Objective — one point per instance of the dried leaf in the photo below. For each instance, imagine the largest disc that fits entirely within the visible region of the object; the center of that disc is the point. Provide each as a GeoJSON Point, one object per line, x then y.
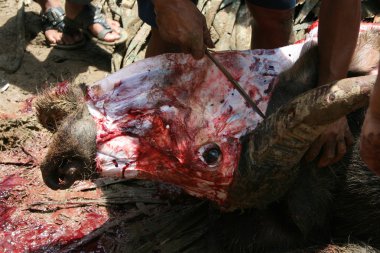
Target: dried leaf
{"type": "Point", "coordinates": [306, 9]}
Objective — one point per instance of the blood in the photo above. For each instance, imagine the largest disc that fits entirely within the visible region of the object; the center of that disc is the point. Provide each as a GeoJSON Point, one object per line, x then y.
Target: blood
{"type": "Point", "coordinates": [5, 116]}
{"type": "Point", "coordinates": [27, 106]}
{"type": "Point", "coordinates": [172, 116]}
{"type": "Point", "coordinates": [255, 65]}
{"type": "Point", "coordinates": [23, 231]}
{"type": "Point", "coordinates": [11, 181]}
{"type": "Point", "coordinates": [62, 87]}
{"type": "Point", "coordinates": [312, 26]}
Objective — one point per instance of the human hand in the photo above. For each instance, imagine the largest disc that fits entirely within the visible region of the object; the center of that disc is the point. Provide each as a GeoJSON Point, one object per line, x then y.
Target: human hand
{"type": "Point", "coordinates": [181, 23]}
{"type": "Point", "coordinates": [370, 142]}
{"type": "Point", "coordinates": [332, 144]}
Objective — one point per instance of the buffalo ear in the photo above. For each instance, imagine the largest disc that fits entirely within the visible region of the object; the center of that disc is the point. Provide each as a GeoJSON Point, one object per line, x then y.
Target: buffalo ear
{"type": "Point", "coordinates": [53, 105]}
{"type": "Point", "coordinates": [299, 78]}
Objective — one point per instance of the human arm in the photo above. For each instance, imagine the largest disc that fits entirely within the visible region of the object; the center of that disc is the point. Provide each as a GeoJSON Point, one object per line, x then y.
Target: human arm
{"type": "Point", "coordinates": [339, 23]}
{"type": "Point", "coordinates": [181, 23]}
{"type": "Point", "coordinates": [370, 135]}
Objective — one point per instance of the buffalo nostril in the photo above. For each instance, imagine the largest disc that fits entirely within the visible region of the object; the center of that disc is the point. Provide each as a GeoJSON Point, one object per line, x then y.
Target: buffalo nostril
{"type": "Point", "coordinates": [69, 173]}
{"type": "Point", "coordinates": [51, 181]}
{"type": "Point", "coordinates": [64, 176]}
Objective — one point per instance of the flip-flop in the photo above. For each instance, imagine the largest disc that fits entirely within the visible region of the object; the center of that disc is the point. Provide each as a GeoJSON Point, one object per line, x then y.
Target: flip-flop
{"type": "Point", "coordinates": [53, 19]}
{"type": "Point", "coordinates": [92, 15]}
{"type": "Point", "coordinates": [100, 38]}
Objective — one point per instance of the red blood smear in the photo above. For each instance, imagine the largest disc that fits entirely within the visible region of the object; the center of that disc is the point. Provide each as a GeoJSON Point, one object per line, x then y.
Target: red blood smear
{"type": "Point", "coordinates": [23, 231]}
{"type": "Point", "coordinates": [312, 26]}
{"type": "Point", "coordinates": [27, 105]}
{"type": "Point", "coordinates": [167, 151]}
{"type": "Point", "coordinates": [6, 116]}
{"type": "Point", "coordinates": [62, 87]}
{"type": "Point", "coordinates": [11, 181]}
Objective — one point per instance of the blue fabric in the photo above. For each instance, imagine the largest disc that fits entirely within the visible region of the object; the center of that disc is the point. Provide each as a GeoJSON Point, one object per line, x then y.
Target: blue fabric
{"type": "Point", "coordinates": [146, 11]}
{"type": "Point", "coordinates": [146, 8]}
{"type": "Point", "coordinates": [274, 4]}
{"type": "Point", "coordinates": [82, 2]}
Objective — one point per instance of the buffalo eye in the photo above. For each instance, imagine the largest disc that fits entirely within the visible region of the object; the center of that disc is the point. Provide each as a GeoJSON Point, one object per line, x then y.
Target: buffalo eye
{"type": "Point", "coordinates": [210, 154]}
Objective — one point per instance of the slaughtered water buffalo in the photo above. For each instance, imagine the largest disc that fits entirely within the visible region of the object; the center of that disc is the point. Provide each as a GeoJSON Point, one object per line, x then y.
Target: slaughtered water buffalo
{"type": "Point", "coordinates": [177, 120]}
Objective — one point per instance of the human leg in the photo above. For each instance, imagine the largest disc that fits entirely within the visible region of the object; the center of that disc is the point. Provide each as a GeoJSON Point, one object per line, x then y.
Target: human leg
{"type": "Point", "coordinates": [81, 13]}
{"type": "Point", "coordinates": [53, 25]}
{"type": "Point", "coordinates": [157, 43]}
{"type": "Point", "coordinates": [272, 23]}
{"type": "Point", "coordinates": [339, 23]}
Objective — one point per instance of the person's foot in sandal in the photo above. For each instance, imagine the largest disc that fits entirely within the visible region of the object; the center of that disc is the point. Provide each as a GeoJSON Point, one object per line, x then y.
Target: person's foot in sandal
{"type": "Point", "coordinates": [53, 26]}
{"type": "Point", "coordinates": [90, 19]}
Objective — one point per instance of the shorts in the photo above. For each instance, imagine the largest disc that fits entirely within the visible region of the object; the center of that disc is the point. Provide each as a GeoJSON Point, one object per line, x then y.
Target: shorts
{"type": "Point", "coordinates": [274, 4]}
{"type": "Point", "coordinates": [81, 2]}
{"type": "Point", "coordinates": [146, 9]}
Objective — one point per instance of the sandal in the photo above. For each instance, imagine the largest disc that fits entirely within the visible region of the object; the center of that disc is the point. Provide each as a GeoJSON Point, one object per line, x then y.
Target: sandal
{"type": "Point", "coordinates": [92, 15]}
{"type": "Point", "coordinates": [53, 19]}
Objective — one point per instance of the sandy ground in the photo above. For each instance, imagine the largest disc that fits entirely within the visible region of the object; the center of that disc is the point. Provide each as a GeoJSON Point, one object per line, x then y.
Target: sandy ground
{"type": "Point", "coordinates": [23, 142]}
{"type": "Point", "coordinates": [90, 216]}
{"type": "Point", "coordinates": [66, 221]}
{"type": "Point", "coordinates": [42, 65]}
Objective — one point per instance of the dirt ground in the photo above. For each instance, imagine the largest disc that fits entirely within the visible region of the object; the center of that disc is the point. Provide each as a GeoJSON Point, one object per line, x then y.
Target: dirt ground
{"type": "Point", "coordinates": [23, 142]}
{"type": "Point", "coordinates": [41, 65]}
{"type": "Point", "coordinates": [90, 216]}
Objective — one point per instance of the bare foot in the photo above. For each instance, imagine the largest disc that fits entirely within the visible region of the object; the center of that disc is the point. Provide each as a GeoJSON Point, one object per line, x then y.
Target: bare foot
{"type": "Point", "coordinates": [73, 10]}
{"type": "Point", "coordinates": [53, 33]}
{"type": "Point", "coordinates": [110, 37]}
{"type": "Point", "coordinates": [53, 36]}
{"type": "Point", "coordinates": [56, 37]}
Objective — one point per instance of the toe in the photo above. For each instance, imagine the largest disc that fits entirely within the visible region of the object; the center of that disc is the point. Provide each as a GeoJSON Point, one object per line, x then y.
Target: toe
{"type": "Point", "coordinates": [110, 37]}
{"type": "Point", "coordinates": [59, 40]}
{"type": "Point", "coordinates": [53, 36]}
{"type": "Point", "coordinates": [115, 26]}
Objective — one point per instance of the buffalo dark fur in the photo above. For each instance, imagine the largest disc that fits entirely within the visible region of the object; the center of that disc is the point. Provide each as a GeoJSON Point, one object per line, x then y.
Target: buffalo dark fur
{"type": "Point", "coordinates": [332, 209]}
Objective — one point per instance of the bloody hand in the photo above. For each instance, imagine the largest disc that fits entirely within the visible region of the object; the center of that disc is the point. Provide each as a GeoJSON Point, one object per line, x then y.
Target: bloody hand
{"type": "Point", "coordinates": [332, 144]}
{"type": "Point", "coordinates": [181, 23]}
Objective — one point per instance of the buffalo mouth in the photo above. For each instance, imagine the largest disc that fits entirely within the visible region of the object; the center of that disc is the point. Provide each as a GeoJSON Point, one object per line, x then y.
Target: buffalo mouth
{"type": "Point", "coordinates": [63, 176]}
{"type": "Point", "coordinates": [71, 154]}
